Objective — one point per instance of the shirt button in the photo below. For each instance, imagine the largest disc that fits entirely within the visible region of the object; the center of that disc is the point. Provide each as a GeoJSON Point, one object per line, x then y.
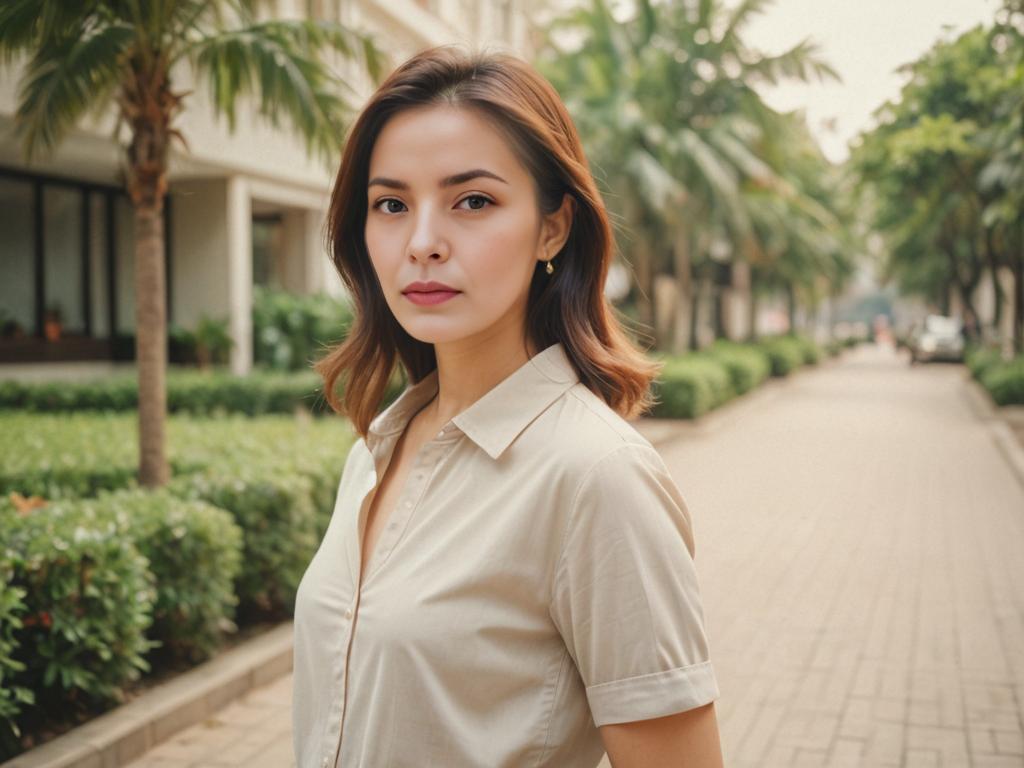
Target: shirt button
{"type": "Point", "coordinates": [348, 614]}
{"type": "Point", "coordinates": [325, 762]}
{"type": "Point", "coordinates": [408, 504]}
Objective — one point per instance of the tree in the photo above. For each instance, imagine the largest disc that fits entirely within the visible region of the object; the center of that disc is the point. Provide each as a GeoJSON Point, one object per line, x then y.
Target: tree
{"type": "Point", "coordinates": [926, 160]}
{"type": "Point", "coordinates": [83, 56]}
{"type": "Point", "coordinates": [666, 106]}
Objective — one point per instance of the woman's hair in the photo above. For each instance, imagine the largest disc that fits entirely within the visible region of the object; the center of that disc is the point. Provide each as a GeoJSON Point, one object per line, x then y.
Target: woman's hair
{"type": "Point", "coordinates": [568, 307]}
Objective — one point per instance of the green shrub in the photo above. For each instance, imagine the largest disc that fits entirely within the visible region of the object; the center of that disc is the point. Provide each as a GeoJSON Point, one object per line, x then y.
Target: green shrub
{"type": "Point", "coordinates": [12, 610]}
{"type": "Point", "coordinates": [979, 360]}
{"type": "Point", "coordinates": [1005, 381]}
{"type": "Point", "coordinates": [290, 332]}
{"type": "Point", "coordinates": [194, 551]}
{"type": "Point", "coordinates": [89, 596]}
{"type": "Point", "coordinates": [80, 455]}
{"type": "Point", "coordinates": [747, 365]}
{"type": "Point", "coordinates": [275, 513]}
{"type": "Point", "coordinates": [810, 351]}
{"type": "Point", "coordinates": [785, 353]}
{"type": "Point", "coordinates": [690, 386]}
{"type": "Point", "coordinates": [188, 391]}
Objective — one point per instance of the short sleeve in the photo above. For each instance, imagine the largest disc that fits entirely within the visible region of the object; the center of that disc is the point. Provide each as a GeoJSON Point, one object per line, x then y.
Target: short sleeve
{"type": "Point", "coordinates": [625, 596]}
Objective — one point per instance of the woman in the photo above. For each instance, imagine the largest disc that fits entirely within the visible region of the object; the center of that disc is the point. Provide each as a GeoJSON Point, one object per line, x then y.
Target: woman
{"type": "Point", "coordinates": [507, 579]}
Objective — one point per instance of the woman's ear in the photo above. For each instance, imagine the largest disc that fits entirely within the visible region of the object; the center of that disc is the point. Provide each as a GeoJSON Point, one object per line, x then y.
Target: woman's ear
{"type": "Point", "coordinates": [557, 227]}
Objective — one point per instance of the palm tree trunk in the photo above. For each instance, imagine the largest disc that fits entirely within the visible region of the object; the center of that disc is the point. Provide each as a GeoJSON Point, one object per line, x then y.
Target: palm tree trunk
{"type": "Point", "coordinates": [149, 104]}
{"type": "Point", "coordinates": [1018, 295]}
{"type": "Point", "coordinates": [791, 306]}
{"type": "Point", "coordinates": [684, 289]}
{"type": "Point", "coordinates": [151, 344]}
{"type": "Point", "coordinates": [695, 311]}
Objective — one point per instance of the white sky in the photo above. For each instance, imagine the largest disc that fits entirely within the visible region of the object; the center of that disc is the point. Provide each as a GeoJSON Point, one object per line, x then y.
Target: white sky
{"type": "Point", "coordinates": [864, 41]}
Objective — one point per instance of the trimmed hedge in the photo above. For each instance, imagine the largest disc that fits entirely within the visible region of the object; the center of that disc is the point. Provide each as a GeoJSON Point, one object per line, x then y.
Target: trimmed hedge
{"type": "Point", "coordinates": [1005, 382]}
{"type": "Point", "coordinates": [748, 365]}
{"type": "Point", "coordinates": [194, 551]}
{"type": "Point", "coordinates": [89, 596]}
{"type": "Point", "coordinates": [786, 354]}
{"type": "Point", "coordinates": [13, 696]}
{"type": "Point", "coordinates": [690, 386]}
{"type": "Point", "coordinates": [80, 455]}
{"type": "Point", "coordinates": [93, 586]}
{"type": "Point", "coordinates": [189, 391]}
{"type": "Point", "coordinates": [275, 513]}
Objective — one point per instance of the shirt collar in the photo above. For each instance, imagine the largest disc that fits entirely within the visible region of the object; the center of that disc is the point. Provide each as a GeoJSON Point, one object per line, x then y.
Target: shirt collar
{"type": "Point", "coordinates": [497, 418]}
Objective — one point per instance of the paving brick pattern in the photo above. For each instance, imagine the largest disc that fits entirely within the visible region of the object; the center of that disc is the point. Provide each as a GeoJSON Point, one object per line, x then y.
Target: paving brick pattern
{"type": "Point", "coordinates": [860, 547]}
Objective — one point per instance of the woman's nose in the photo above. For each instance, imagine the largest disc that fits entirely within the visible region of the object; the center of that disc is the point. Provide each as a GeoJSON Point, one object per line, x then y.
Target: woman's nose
{"type": "Point", "coordinates": [427, 240]}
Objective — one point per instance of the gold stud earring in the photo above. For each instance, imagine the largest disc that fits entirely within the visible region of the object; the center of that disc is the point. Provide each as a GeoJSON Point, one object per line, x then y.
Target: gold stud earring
{"type": "Point", "coordinates": [550, 268]}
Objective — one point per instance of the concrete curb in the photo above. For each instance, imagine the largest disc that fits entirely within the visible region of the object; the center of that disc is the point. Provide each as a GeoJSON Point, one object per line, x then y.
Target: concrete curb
{"type": "Point", "coordinates": [997, 419]}
{"type": "Point", "coordinates": [126, 733]}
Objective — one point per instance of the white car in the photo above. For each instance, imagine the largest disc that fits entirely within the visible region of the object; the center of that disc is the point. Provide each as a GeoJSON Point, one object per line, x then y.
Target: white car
{"type": "Point", "coordinates": [937, 338]}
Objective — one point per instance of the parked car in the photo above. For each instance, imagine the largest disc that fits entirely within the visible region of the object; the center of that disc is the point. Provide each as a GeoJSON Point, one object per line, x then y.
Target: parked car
{"type": "Point", "coordinates": [937, 337]}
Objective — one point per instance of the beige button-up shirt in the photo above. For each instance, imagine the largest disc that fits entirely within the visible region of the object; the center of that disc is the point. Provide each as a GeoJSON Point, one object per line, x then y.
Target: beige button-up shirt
{"type": "Point", "coordinates": [535, 581]}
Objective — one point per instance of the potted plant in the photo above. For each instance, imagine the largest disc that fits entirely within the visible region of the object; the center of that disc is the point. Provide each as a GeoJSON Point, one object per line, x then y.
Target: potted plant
{"type": "Point", "coordinates": [52, 321]}
{"type": "Point", "coordinates": [213, 341]}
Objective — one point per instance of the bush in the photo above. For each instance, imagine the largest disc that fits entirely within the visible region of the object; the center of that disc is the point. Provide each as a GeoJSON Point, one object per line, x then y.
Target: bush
{"type": "Point", "coordinates": [290, 332]}
{"type": "Point", "coordinates": [275, 513]}
{"type": "Point", "coordinates": [747, 365]}
{"type": "Point", "coordinates": [1005, 381]}
{"type": "Point", "coordinates": [89, 597]}
{"type": "Point", "coordinates": [785, 353]}
{"type": "Point", "coordinates": [979, 360]}
{"type": "Point", "coordinates": [81, 455]}
{"type": "Point", "coordinates": [690, 386]}
{"type": "Point", "coordinates": [12, 609]}
{"type": "Point", "coordinates": [71, 456]}
{"type": "Point", "coordinates": [809, 349]}
{"type": "Point", "coordinates": [194, 551]}
{"type": "Point", "coordinates": [188, 391]}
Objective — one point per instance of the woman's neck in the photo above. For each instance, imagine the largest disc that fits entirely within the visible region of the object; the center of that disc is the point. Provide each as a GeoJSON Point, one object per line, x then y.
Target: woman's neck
{"type": "Point", "coordinates": [468, 372]}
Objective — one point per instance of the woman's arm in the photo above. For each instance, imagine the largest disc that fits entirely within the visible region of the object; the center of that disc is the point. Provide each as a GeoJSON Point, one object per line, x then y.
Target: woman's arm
{"type": "Point", "coordinates": [684, 740]}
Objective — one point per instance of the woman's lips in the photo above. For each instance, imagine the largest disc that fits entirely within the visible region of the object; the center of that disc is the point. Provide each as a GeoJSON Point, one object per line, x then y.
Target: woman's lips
{"type": "Point", "coordinates": [430, 297]}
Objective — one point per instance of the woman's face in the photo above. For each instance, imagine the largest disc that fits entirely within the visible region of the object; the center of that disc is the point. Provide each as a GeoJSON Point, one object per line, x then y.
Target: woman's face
{"type": "Point", "coordinates": [449, 202]}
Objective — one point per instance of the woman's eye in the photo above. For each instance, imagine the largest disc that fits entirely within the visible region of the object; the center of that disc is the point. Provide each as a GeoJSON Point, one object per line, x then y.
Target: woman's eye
{"type": "Point", "coordinates": [387, 202]}
{"type": "Point", "coordinates": [478, 198]}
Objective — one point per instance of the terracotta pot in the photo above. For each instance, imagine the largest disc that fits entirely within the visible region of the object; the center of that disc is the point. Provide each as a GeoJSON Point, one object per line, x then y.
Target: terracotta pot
{"type": "Point", "coordinates": [51, 329]}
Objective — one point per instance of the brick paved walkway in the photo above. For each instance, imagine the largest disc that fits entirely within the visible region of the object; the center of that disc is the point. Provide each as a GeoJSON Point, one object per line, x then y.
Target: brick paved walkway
{"type": "Point", "coordinates": [860, 545]}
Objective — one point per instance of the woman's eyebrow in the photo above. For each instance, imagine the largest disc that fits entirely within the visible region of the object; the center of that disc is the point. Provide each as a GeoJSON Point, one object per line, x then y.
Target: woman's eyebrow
{"type": "Point", "coordinates": [450, 181]}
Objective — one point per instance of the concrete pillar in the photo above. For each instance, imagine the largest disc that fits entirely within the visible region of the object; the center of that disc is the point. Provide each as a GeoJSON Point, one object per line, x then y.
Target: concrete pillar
{"type": "Point", "coordinates": [239, 257]}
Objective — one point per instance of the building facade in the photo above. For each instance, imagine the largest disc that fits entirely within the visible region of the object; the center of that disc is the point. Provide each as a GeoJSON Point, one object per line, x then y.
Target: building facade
{"type": "Point", "coordinates": [244, 208]}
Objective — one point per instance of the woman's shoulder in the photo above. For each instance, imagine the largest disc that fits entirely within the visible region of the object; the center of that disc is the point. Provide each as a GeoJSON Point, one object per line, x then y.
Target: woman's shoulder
{"type": "Point", "coordinates": [585, 431]}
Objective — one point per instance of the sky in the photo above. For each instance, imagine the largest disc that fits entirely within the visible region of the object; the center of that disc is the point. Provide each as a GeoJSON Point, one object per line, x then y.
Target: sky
{"type": "Point", "coordinates": [864, 41]}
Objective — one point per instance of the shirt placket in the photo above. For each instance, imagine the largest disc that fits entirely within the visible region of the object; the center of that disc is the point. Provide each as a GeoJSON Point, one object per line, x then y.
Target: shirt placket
{"type": "Point", "coordinates": [426, 460]}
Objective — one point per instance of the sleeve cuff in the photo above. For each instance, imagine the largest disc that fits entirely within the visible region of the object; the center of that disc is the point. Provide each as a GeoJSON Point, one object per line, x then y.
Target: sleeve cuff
{"type": "Point", "coordinates": [655, 695]}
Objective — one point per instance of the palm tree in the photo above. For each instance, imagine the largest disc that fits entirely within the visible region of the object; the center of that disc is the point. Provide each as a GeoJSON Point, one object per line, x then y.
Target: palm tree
{"type": "Point", "coordinates": [82, 56]}
{"type": "Point", "coordinates": [666, 105]}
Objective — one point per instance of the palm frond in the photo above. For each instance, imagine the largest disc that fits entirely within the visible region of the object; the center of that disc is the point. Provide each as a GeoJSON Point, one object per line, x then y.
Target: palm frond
{"type": "Point", "coordinates": [61, 82]}
{"type": "Point", "coordinates": [26, 25]}
{"type": "Point", "coordinates": [280, 62]}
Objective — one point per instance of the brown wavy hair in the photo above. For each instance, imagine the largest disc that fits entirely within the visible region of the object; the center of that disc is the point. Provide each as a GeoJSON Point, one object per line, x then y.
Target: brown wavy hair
{"type": "Point", "coordinates": [568, 307]}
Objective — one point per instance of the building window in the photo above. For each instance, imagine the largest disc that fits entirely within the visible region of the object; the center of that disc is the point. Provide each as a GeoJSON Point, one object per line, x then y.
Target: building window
{"type": "Point", "coordinates": [67, 246]}
{"type": "Point", "coordinates": [17, 259]}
